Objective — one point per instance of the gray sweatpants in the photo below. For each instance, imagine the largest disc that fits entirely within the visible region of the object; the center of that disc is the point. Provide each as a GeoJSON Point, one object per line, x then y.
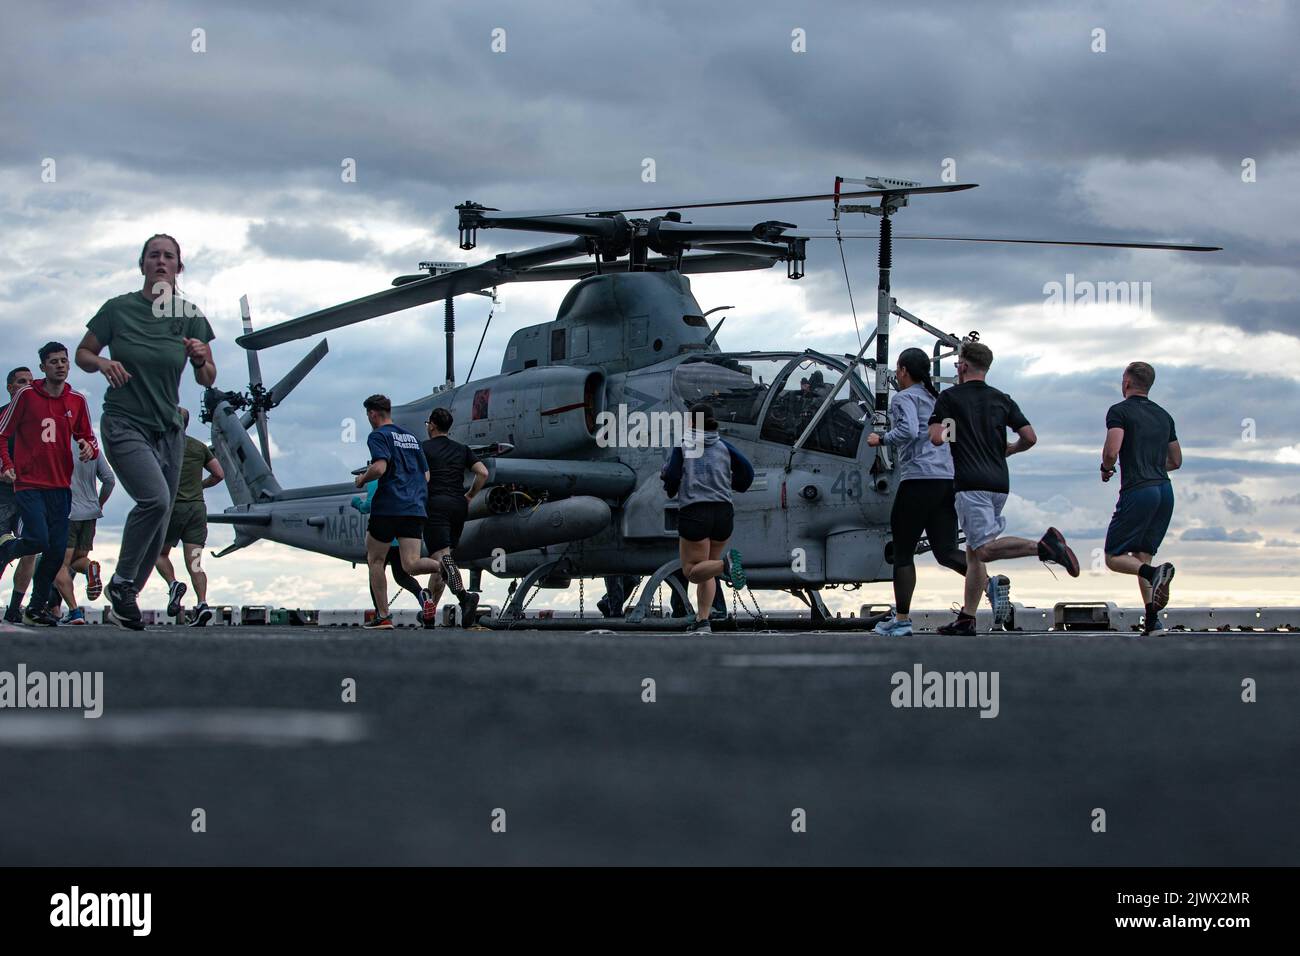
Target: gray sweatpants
{"type": "Point", "coordinates": [148, 466]}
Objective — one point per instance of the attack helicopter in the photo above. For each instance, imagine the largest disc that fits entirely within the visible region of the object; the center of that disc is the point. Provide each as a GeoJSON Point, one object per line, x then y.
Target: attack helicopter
{"type": "Point", "coordinates": [563, 500]}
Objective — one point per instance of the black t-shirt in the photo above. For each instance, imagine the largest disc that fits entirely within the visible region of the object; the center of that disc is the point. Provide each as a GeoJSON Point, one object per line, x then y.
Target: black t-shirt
{"type": "Point", "coordinates": [1148, 430]}
{"type": "Point", "coordinates": [448, 462]}
{"type": "Point", "coordinates": [981, 416]}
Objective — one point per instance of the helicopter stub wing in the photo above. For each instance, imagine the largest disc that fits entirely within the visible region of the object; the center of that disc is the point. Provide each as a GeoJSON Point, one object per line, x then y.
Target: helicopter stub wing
{"type": "Point", "coordinates": [498, 271]}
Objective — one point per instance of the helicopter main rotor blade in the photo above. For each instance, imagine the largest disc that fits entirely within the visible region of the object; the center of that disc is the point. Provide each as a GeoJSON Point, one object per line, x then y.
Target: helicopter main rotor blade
{"type": "Point", "coordinates": [1167, 246]}
{"type": "Point", "coordinates": [506, 267]}
{"type": "Point", "coordinates": [709, 204]}
{"type": "Point", "coordinates": [691, 265]}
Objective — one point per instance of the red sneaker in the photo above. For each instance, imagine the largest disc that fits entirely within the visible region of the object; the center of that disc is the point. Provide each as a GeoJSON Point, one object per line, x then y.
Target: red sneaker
{"type": "Point", "coordinates": [94, 584]}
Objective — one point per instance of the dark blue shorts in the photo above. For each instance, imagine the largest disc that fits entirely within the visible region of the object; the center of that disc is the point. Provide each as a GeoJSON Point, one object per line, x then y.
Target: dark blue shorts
{"type": "Point", "coordinates": [1141, 519]}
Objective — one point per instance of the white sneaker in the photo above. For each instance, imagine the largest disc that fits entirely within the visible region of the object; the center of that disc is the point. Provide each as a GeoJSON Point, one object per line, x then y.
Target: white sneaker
{"type": "Point", "coordinates": [893, 627]}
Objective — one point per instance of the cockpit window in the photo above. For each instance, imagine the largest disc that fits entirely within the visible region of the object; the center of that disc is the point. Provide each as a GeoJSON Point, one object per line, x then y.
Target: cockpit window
{"type": "Point", "coordinates": [736, 388]}
{"type": "Point", "coordinates": [794, 406]}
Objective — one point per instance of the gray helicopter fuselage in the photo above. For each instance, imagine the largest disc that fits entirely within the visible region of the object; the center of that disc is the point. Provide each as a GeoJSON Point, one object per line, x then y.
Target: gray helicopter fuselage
{"type": "Point", "coordinates": [588, 403]}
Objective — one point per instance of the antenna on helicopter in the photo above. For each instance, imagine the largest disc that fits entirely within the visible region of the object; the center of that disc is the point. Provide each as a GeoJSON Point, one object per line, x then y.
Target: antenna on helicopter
{"type": "Point", "coordinates": [713, 333]}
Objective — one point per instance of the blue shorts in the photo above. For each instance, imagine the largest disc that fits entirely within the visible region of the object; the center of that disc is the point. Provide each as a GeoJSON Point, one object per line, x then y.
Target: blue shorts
{"type": "Point", "coordinates": [1141, 519]}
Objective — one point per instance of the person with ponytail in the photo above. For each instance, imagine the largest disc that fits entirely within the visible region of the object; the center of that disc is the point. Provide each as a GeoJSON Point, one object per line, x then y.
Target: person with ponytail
{"type": "Point", "coordinates": [150, 335]}
{"type": "Point", "coordinates": [924, 497]}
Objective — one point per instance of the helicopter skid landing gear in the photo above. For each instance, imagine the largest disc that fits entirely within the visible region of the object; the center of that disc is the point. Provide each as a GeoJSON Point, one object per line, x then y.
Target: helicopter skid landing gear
{"type": "Point", "coordinates": [514, 609]}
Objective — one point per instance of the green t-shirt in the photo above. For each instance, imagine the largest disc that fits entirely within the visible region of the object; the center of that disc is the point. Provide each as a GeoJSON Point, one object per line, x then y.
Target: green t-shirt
{"type": "Point", "coordinates": [196, 456]}
{"type": "Point", "coordinates": [152, 350]}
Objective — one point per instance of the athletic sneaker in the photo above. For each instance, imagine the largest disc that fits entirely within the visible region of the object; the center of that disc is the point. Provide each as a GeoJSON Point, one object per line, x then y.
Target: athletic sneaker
{"type": "Point", "coordinates": [40, 617]}
{"type": "Point", "coordinates": [964, 626]}
{"type": "Point", "coordinates": [428, 608]}
{"type": "Point", "coordinates": [1160, 580]}
{"type": "Point", "coordinates": [701, 627]}
{"type": "Point", "coordinates": [733, 572]}
{"type": "Point", "coordinates": [469, 609]}
{"type": "Point", "coordinates": [94, 584]}
{"type": "Point", "coordinates": [998, 591]}
{"type": "Point", "coordinates": [201, 616]}
{"type": "Point", "coordinates": [1052, 547]}
{"type": "Point", "coordinates": [175, 591]}
{"type": "Point", "coordinates": [13, 615]}
{"type": "Point", "coordinates": [893, 627]}
{"type": "Point", "coordinates": [378, 623]}
{"type": "Point", "coordinates": [75, 616]}
{"type": "Point", "coordinates": [125, 613]}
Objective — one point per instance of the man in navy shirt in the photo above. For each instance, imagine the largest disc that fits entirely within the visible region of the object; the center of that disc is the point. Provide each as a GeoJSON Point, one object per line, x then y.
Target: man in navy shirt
{"type": "Point", "coordinates": [1140, 435]}
{"type": "Point", "coordinates": [397, 509]}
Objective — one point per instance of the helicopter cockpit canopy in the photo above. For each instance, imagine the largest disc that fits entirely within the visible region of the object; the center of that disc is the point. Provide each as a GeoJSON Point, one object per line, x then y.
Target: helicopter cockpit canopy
{"type": "Point", "coordinates": [779, 394]}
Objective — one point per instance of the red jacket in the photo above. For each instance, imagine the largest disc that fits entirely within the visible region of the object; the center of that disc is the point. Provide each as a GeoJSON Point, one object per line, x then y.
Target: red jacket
{"type": "Point", "coordinates": [43, 428]}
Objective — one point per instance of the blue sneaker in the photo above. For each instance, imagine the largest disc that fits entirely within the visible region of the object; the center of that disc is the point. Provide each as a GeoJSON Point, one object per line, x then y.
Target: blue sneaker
{"type": "Point", "coordinates": [998, 591]}
{"type": "Point", "coordinates": [893, 627]}
{"type": "Point", "coordinates": [75, 616]}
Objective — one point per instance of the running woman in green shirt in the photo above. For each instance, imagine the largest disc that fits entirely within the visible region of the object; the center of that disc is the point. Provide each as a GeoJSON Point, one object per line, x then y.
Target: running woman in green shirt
{"type": "Point", "coordinates": [150, 335]}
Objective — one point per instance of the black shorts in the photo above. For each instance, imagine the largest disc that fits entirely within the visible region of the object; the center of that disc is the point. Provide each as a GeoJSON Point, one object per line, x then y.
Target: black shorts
{"type": "Point", "coordinates": [923, 504]}
{"type": "Point", "coordinates": [446, 521]}
{"type": "Point", "coordinates": [1141, 519]}
{"type": "Point", "coordinates": [387, 527]}
{"type": "Point", "coordinates": [714, 520]}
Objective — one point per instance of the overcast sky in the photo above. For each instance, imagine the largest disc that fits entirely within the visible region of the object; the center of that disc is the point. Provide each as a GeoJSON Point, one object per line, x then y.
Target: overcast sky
{"type": "Point", "coordinates": [1185, 127]}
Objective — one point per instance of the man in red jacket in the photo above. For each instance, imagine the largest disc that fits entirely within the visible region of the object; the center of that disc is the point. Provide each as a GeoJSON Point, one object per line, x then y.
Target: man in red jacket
{"type": "Point", "coordinates": [43, 420]}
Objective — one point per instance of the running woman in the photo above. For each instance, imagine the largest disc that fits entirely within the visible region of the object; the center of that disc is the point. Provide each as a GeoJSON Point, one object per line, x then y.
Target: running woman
{"type": "Point", "coordinates": [398, 508]}
{"type": "Point", "coordinates": [150, 335]}
{"type": "Point", "coordinates": [973, 417]}
{"type": "Point", "coordinates": [1140, 435]}
{"type": "Point", "coordinates": [924, 498]}
{"type": "Point", "coordinates": [44, 419]}
{"type": "Point", "coordinates": [448, 507]}
{"type": "Point", "coordinates": [702, 474]}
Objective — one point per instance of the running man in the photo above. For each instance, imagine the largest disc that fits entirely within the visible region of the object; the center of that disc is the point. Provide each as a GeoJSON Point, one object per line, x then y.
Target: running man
{"type": "Point", "coordinates": [703, 482]}
{"type": "Point", "coordinates": [44, 418]}
{"type": "Point", "coordinates": [189, 526]}
{"type": "Point", "coordinates": [398, 508]}
{"type": "Point", "coordinates": [973, 417]}
{"type": "Point", "coordinates": [87, 509]}
{"type": "Point", "coordinates": [394, 559]}
{"type": "Point", "coordinates": [1141, 436]}
{"type": "Point", "coordinates": [17, 379]}
{"type": "Point", "coordinates": [448, 507]}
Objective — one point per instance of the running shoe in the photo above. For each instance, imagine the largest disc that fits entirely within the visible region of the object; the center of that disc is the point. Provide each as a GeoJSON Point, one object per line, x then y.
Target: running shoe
{"type": "Point", "coordinates": [39, 617]}
{"type": "Point", "coordinates": [964, 626]}
{"type": "Point", "coordinates": [1160, 580]}
{"type": "Point", "coordinates": [428, 608]}
{"type": "Point", "coordinates": [94, 584]}
{"type": "Point", "coordinates": [175, 591]}
{"type": "Point", "coordinates": [378, 623]}
{"type": "Point", "coordinates": [701, 627]}
{"type": "Point", "coordinates": [732, 569]}
{"type": "Point", "coordinates": [13, 616]}
{"type": "Point", "coordinates": [469, 609]}
{"type": "Point", "coordinates": [1052, 547]}
{"type": "Point", "coordinates": [75, 616]}
{"type": "Point", "coordinates": [893, 627]}
{"type": "Point", "coordinates": [201, 616]}
{"type": "Point", "coordinates": [125, 612]}
{"type": "Point", "coordinates": [998, 591]}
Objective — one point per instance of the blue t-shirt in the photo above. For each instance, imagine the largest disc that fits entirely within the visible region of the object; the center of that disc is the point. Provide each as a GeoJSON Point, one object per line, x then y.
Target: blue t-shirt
{"type": "Point", "coordinates": [401, 488]}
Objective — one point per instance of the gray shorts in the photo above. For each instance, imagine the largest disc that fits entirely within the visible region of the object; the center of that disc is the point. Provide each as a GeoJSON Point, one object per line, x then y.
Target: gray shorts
{"type": "Point", "coordinates": [980, 516]}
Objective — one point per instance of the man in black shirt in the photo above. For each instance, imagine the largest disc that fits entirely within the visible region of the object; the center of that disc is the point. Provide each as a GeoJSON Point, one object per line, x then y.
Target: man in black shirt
{"type": "Point", "coordinates": [1141, 436]}
{"type": "Point", "coordinates": [973, 417]}
{"type": "Point", "coordinates": [448, 507]}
